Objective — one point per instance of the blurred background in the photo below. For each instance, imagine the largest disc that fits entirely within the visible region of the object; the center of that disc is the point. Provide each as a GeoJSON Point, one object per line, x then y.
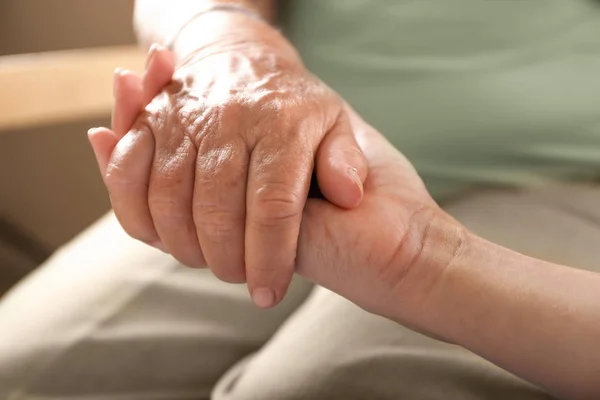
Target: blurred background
{"type": "Point", "coordinates": [56, 64]}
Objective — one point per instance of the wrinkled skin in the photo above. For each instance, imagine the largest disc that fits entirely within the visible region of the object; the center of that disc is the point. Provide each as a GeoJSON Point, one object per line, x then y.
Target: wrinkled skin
{"type": "Point", "coordinates": [217, 168]}
{"type": "Point", "coordinates": [373, 254]}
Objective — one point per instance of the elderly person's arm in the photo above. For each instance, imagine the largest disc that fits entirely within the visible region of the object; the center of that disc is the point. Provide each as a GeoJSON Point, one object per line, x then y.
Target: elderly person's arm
{"type": "Point", "coordinates": [158, 21]}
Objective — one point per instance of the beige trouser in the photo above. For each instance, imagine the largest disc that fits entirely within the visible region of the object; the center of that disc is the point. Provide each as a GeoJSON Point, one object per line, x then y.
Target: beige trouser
{"type": "Point", "coordinates": [108, 318]}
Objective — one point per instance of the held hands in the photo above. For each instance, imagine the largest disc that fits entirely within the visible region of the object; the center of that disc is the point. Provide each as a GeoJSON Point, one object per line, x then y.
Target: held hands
{"type": "Point", "coordinates": [377, 255]}
{"type": "Point", "coordinates": [215, 169]}
{"type": "Point", "coordinates": [388, 254]}
{"type": "Point", "coordinates": [397, 254]}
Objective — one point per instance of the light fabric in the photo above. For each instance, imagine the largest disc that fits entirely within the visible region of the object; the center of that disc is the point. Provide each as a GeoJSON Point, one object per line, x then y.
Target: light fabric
{"type": "Point", "coordinates": [108, 318]}
{"type": "Point", "coordinates": [475, 93]}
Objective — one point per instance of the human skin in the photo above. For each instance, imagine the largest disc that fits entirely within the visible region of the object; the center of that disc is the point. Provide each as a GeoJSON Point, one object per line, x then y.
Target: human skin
{"type": "Point", "coordinates": [414, 264]}
{"type": "Point", "coordinates": [400, 256]}
{"type": "Point", "coordinates": [216, 169]}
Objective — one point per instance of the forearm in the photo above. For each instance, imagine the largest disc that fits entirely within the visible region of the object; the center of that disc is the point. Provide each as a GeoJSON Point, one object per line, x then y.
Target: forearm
{"type": "Point", "coordinates": [156, 21]}
{"type": "Point", "coordinates": [536, 319]}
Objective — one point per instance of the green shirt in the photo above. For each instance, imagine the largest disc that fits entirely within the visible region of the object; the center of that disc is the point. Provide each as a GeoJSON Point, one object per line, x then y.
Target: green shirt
{"type": "Point", "coordinates": [473, 92]}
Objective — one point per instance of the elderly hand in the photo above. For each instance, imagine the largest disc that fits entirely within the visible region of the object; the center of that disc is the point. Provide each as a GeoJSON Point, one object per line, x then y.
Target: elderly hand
{"type": "Point", "coordinates": [217, 168]}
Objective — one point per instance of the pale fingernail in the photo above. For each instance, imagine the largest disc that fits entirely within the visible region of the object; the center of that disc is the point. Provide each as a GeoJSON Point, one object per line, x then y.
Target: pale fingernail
{"type": "Point", "coordinates": [116, 74]}
{"type": "Point", "coordinates": [353, 174]}
{"type": "Point", "coordinates": [158, 245]}
{"type": "Point", "coordinates": [263, 297]}
{"type": "Point", "coordinates": [151, 52]}
{"type": "Point", "coordinates": [91, 131]}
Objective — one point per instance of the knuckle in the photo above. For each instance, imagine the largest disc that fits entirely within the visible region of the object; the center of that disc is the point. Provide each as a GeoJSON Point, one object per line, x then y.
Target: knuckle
{"type": "Point", "coordinates": [168, 117]}
{"type": "Point", "coordinates": [234, 107]}
{"type": "Point", "coordinates": [116, 176]}
{"type": "Point", "coordinates": [120, 184]}
{"type": "Point", "coordinates": [167, 208]}
{"type": "Point", "coordinates": [276, 218]}
{"type": "Point", "coordinates": [144, 124]}
{"type": "Point", "coordinates": [277, 204]}
{"type": "Point", "coordinates": [281, 113]}
{"type": "Point", "coordinates": [203, 120]}
{"type": "Point", "coordinates": [217, 223]}
{"type": "Point", "coordinates": [118, 172]}
{"type": "Point", "coordinates": [272, 104]}
{"type": "Point", "coordinates": [221, 165]}
{"type": "Point", "coordinates": [155, 111]}
{"type": "Point", "coordinates": [198, 121]}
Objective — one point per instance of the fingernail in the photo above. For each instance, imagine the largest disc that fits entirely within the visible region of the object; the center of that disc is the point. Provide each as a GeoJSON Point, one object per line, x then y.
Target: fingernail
{"type": "Point", "coordinates": [92, 130]}
{"type": "Point", "coordinates": [151, 52]}
{"type": "Point", "coordinates": [116, 74]}
{"type": "Point", "coordinates": [263, 297]}
{"type": "Point", "coordinates": [158, 245]}
{"type": "Point", "coordinates": [353, 173]}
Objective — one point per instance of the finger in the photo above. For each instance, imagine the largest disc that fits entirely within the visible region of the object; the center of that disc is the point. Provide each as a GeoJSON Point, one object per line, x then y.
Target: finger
{"type": "Point", "coordinates": [103, 141]}
{"type": "Point", "coordinates": [220, 207]}
{"type": "Point", "coordinates": [159, 71]}
{"type": "Point", "coordinates": [128, 100]}
{"type": "Point", "coordinates": [132, 93]}
{"type": "Point", "coordinates": [340, 165]}
{"type": "Point", "coordinates": [127, 177]}
{"type": "Point", "coordinates": [127, 105]}
{"type": "Point", "coordinates": [278, 181]}
{"type": "Point", "coordinates": [170, 197]}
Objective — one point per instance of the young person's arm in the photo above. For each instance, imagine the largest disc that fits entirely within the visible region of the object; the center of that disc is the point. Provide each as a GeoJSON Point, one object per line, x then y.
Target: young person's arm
{"type": "Point", "coordinates": [538, 320]}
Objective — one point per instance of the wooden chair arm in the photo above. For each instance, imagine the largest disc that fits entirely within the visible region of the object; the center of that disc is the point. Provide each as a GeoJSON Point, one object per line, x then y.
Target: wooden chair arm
{"type": "Point", "coordinates": [46, 88]}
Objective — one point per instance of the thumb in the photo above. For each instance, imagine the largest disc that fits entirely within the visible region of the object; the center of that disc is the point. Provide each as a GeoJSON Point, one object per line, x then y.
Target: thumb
{"type": "Point", "coordinates": [341, 166]}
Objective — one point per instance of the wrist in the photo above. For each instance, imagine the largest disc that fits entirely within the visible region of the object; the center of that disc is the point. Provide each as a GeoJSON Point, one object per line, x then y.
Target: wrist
{"type": "Point", "coordinates": [439, 240]}
{"type": "Point", "coordinates": [221, 31]}
{"type": "Point", "coordinates": [159, 21]}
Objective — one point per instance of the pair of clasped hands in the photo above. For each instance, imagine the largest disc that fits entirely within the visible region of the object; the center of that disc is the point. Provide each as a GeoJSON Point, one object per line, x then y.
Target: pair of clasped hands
{"type": "Point", "coordinates": [211, 161]}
